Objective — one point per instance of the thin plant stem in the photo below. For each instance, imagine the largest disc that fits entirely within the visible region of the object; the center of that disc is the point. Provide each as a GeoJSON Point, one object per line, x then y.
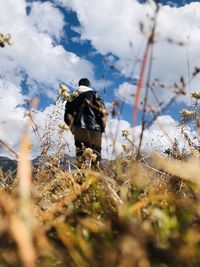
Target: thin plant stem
{"type": "Point", "coordinates": [117, 129]}
{"type": "Point", "coordinates": [139, 85]}
{"type": "Point", "coordinates": [9, 148]}
{"type": "Point", "coordinates": [149, 47]}
{"type": "Point", "coordinates": [145, 104]}
{"type": "Point", "coordinates": [143, 67]}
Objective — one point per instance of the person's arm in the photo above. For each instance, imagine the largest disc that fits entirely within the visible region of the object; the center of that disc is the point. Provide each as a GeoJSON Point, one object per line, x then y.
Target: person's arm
{"type": "Point", "coordinates": [104, 118]}
{"type": "Point", "coordinates": [102, 113]}
{"type": "Point", "coordinates": [68, 116]}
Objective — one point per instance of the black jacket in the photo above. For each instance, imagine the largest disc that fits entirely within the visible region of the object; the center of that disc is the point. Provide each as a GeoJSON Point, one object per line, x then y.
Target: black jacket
{"type": "Point", "coordinates": [86, 111]}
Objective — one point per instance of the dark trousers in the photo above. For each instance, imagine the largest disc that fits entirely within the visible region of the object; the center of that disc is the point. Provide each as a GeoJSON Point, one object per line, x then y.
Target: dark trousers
{"type": "Point", "coordinates": [85, 138]}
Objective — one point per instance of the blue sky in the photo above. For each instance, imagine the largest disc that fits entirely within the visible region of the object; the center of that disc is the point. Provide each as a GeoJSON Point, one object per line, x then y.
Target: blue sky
{"type": "Point", "coordinates": [102, 68]}
{"type": "Point", "coordinates": [63, 40]}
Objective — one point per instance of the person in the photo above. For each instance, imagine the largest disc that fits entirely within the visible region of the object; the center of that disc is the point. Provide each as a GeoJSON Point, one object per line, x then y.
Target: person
{"type": "Point", "coordinates": [86, 116]}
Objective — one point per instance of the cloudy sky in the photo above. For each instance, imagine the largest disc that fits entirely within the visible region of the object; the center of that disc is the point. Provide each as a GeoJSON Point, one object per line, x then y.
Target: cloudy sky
{"type": "Point", "coordinates": [63, 40]}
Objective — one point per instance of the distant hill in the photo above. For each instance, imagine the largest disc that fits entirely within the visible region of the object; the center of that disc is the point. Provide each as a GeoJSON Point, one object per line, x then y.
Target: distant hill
{"type": "Point", "coordinates": [7, 164]}
{"type": "Point", "coordinates": [67, 163]}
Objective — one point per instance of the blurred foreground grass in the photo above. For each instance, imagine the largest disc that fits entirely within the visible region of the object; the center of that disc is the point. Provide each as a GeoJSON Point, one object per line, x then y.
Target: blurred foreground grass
{"type": "Point", "coordinates": [132, 213]}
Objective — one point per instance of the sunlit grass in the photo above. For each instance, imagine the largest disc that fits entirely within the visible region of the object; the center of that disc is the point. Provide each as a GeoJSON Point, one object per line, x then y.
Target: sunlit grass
{"type": "Point", "coordinates": [128, 214]}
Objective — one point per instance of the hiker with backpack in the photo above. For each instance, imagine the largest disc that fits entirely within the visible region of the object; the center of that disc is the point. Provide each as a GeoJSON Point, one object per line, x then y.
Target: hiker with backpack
{"type": "Point", "coordinates": [86, 115]}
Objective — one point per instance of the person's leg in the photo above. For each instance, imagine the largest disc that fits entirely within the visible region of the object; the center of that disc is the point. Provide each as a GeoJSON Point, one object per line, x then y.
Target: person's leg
{"type": "Point", "coordinates": [79, 150]}
{"type": "Point", "coordinates": [78, 144]}
{"type": "Point", "coordinates": [82, 141]}
{"type": "Point", "coordinates": [85, 138]}
{"type": "Point", "coordinates": [96, 138]}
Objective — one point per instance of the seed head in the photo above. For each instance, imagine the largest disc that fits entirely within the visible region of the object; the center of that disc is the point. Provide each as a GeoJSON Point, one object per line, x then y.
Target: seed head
{"type": "Point", "coordinates": [196, 95]}
{"type": "Point", "coordinates": [5, 39]}
{"type": "Point", "coordinates": [63, 127]}
{"type": "Point", "coordinates": [75, 94]}
{"type": "Point", "coordinates": [88, 153]}
{"type": "Point", "coordinates": [187, 113]}
{"type": "Point", "coordinates": [125, 133]}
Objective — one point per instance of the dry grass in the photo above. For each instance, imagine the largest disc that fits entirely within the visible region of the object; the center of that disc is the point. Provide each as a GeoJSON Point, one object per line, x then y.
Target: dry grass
{"type": "Point", "coordinates": [132, 213]}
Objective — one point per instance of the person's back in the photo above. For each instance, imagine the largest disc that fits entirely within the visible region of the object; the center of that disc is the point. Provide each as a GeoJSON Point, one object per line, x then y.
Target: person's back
{"type": "Point", "coordinates": [86, 116]}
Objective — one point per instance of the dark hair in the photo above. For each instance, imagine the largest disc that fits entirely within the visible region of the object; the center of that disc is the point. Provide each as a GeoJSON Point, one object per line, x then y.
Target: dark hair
{"type": "Point", "coordinates": [84, 81]}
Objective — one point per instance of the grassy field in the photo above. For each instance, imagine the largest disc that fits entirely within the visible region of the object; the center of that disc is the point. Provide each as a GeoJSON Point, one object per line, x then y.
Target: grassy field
{"type": "Point", "coordinates": [132, 212]}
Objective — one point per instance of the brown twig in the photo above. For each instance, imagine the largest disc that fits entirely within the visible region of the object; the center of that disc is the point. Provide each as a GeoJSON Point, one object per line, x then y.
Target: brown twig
{"type": "Point", "coordinates": [9, 148]}
{"type": "Point", "coordinates": [148, 47]}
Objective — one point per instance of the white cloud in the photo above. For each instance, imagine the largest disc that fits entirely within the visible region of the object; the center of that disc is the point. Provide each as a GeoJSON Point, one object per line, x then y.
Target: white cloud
{"type": "Point", "coordinates": [13, 121]}
{"type": "Point", "coordinates": [157, 98]}
{"type": "Point", "coordinates": [47, 19]}
{"type": "Point", "coordinates": [112, 138]}
{"type": "Point", "coordinates": [161, 135]}
{"type": "Point", "coordinates": [109, 25]}
{"type": "Point", "coordinates": [126, 92]}
{"type": "Point", "coordinates": [48, 123]}
{"type": "Point", "coordinates": [34, 53]}
{"type": "Point", "coordinates": [11, 115]}
{"type": "Point", "coordinates": [112, 25]}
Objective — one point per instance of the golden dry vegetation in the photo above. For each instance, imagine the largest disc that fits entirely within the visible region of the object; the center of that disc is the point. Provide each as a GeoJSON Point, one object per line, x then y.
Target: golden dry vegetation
{"type": "Point", "coordinates": [129, 213]}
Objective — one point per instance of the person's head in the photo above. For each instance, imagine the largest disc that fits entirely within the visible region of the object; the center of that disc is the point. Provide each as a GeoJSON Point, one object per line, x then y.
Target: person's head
{"type": "Point", "coordinates": [84, 81]}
